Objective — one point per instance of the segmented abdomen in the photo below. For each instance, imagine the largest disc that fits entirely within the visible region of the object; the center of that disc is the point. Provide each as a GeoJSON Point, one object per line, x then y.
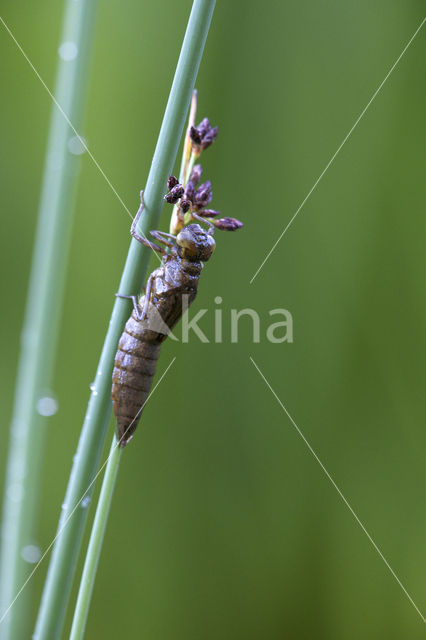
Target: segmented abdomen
{"type": "Point", "coordinates": [134, 369]}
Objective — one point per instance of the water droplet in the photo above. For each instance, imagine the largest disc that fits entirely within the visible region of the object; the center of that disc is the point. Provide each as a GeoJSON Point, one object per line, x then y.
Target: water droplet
{"type": "Point", "coordinates": [47, 406]}
{"type": "Point", "coordinates": [31, 553]}
{"type": "Point", "coordinates": [93, 389]}
{"type": "Point", "coordinates": [85, 502]}
{"type": "Point", "coordinates": [15, 492]}
{"type": "Point", "coordinates": [77, 145]}
{"type": "Point", "coordinates": [64, 506]}
{"type": "Point", "coordinates": [68, 51]}
{"type": "Point", "coordinates": [99, 372]}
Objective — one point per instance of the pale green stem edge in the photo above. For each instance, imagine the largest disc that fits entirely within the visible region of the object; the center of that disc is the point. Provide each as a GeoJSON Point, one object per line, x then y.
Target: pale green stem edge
{"type": "Point", "coordinates": [95, 543]}
{"type": "Point", "coordinates": [66, 549]}
{"type": "Point", "coordinates": [39, 337]}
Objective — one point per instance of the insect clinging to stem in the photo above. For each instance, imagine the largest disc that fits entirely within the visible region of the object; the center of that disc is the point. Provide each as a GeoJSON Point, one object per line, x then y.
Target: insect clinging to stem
{"type": "Point", "coordinates": [140, 343]}
{"type": "Point", "coordinates": [170, 288]}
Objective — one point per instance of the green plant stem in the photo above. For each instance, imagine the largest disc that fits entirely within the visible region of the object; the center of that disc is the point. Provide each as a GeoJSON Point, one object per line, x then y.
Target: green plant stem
{"type": "Point", "coordinates": [193, 157]}
{"type": "Point", "coordinates": [62, 564]}
{"type": "Point", "coordinates": [102, 510]}
{"type": "Point", "coordinates": [187, 145]}
{"type": "Point", "coordinates": [41, 323]}
{"type": "Point", "coordinates": [95, 543]}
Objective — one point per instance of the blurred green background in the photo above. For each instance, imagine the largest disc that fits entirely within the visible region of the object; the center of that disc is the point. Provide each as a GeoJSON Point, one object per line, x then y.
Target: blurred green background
{"type": "Point", "coordinates": [223, 525]}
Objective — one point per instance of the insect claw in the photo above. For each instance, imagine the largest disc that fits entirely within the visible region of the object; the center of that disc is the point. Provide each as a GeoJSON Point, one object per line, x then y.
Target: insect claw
{"type": "Point", "coordinates": [141, 314]}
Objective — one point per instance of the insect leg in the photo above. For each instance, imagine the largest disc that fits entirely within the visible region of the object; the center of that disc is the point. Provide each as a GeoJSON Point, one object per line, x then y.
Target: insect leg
{"type": "Point", "coordinates": [162, 236]}
{"type": "Point", "coordinates": [210, 224]}
{"type": "Point", "coordinates": [134, 299]}
{"type": "Point", "coordinates": [144, 313]}
{"type": "Point", "coordinates": [140, 238]}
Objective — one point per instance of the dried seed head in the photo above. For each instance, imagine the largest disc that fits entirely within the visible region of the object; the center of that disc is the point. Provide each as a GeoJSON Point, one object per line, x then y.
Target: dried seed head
{"type": "Point", "coordinates": [228, 224]}
{"type": "Point", "coordinates": [204, 126]}
{"type": "Point", "coordinates": [196, 174]}
{"type": "Point", "coordinates": [195, 136]}
{"type": "Point", "coordinates": [185, 205]}
{"type": "Point", "coordinates": [204, 194]}
{"type": "Point", "coordinates": [208, 213]}
{"type": "Point", "coordinates": [172, 182]}
{"type": "Point", "coordinates": [203, 135]}
{"type": "Point", "coordinates": [174, 194]}
{"type": "Point", "coordinates": [209, 138]}
{"type": "Point", "coordinates": [189, 190]}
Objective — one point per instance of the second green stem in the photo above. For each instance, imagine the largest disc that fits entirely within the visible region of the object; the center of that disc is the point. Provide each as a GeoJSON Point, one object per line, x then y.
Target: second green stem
{"type": "Point", "coordinates": [95, 543]}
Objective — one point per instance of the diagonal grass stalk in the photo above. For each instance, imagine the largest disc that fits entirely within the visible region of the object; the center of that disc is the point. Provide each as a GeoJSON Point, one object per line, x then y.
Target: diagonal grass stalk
{"type": "Point", "coordinates": [42, 317]}
{"type": "Point", "coordinates": [95, 543]}
{"type": "Point", "coordinates": [98, 531]}
{"type": "Point", "coordinates": [104, 503]}
{"type": "Point", "coordinates": [62, 564]}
